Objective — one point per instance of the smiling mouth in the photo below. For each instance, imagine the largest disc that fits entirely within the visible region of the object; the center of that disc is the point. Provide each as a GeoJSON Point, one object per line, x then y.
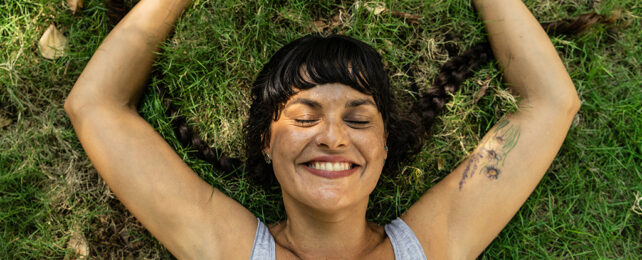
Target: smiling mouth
{"type": "Point", "coordinates": [331, 166]}
{"type": "Point", "coordinates": [331, 170]}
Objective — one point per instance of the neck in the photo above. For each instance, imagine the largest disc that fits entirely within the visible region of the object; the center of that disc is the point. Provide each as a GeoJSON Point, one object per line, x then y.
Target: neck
{"type": "Point", "coordinates": [313, 233]}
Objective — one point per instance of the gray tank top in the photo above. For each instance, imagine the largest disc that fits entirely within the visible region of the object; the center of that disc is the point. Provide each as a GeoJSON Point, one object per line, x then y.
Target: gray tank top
{"type": "Point", "coordinates": [404, 242]}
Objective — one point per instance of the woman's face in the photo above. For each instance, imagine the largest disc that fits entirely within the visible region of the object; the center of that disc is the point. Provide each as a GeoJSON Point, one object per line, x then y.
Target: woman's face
{"type": "Point", "coordinates": [327, 147]}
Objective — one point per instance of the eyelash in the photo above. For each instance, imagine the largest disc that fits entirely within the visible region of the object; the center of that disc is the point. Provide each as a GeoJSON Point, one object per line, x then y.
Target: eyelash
{"type": "Point", "coordinates": [309, 122]}
{"type": "Point", "coordinates": [304, 122]}
{"type": "Point", "coordinates": [357, 122]}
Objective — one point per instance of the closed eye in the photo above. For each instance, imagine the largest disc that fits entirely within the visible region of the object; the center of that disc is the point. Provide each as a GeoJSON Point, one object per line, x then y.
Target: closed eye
{"type": "Point", "coordinates": [358, 124]}
{"type": "Point", "coordinates": [305, 122]}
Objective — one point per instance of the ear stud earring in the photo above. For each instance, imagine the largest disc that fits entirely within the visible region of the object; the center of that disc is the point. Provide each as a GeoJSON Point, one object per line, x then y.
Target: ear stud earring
{"type": "Point", "coordinates": [267, 158]}
{"type": "Point", "coordinates": [385, 148]}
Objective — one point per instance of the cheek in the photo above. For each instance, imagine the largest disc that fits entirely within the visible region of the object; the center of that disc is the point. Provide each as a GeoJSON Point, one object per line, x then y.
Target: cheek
{"type": "Point", "coordinates": [371, 143]}
{"type": "Point", "coordinates": [287, 144]}
{"type": "Point", "coordinates": [371, 146]}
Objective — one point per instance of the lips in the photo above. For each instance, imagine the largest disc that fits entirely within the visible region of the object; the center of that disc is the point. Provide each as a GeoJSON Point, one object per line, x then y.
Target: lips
{"type": "Point", "coordinates": [331, 167]}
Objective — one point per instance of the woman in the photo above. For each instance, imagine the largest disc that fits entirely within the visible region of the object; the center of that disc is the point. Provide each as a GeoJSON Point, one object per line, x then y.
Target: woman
{"type": "Point", "coordinates": [327, 145]}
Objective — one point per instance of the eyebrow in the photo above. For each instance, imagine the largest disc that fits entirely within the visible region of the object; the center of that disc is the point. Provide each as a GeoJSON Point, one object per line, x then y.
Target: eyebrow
{"type": "Point", "coordinates": [307, 102]}
{"type": "Point", "coordinates": [317, 105]}
{"type": "Point", "coordinates": [359, 102]}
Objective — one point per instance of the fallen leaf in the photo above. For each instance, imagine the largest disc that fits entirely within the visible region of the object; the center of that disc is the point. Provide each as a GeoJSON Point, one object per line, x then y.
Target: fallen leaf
{"type": "Point", "coordinates": [124, 234]}
{"type": "Point", "coordinates": [374, 7]}
{"type": "Point", "coordinates": [74, 5]}
{"type": "Point", "coordinates": [320, 25]}
{"type": "Point", "coordinates": [4, 121]}
{"type": "Point", "coordinates": [79, 245]}
{"type": "Point", "coordinates": [440, 163]}
{"type": "Point", "coordinates": [52, 44]}
{"type": "Point", "coordinates": [337, 20]}
{"type": "Point", "coordinates": [482, 91]}
{"type": "Point", "coordinates": [379, 8]}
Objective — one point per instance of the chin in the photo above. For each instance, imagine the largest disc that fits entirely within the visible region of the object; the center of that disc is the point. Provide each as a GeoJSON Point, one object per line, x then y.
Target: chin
{"type": "Point", "coordinates": [327, 195]}
{"type": "Point", "coordinates": [328, 199]}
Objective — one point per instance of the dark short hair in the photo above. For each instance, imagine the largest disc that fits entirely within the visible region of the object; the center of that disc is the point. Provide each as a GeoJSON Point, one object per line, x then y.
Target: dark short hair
{"type": "Point", "coordinates": [315, 60]}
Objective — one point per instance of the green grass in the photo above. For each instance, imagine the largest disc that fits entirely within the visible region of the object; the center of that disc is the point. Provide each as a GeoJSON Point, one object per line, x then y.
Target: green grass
{"type": "Point", "coordinates": [48, 188]}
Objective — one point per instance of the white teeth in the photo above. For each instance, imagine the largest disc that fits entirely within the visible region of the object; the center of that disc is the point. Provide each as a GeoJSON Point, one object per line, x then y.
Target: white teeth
{"type": "Point", "coordinates": [329, 166]}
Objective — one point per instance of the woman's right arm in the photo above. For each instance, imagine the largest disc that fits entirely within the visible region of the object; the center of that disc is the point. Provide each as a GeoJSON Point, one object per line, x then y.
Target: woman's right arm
{"type": "Point", "coordinates": [187, 215]}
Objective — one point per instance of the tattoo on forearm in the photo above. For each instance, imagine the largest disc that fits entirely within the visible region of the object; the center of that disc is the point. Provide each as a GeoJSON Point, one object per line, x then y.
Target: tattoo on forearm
{"type": "Point", "coordinates": [494, 149]}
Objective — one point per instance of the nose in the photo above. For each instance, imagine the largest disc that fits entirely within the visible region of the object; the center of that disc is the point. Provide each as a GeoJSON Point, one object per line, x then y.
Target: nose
{"type": "Point", "coordinates": [333, 136]}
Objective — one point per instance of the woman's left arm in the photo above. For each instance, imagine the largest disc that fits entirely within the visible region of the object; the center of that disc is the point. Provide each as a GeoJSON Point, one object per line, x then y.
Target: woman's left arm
{"type": "Point", "coordinates": [462, 214]}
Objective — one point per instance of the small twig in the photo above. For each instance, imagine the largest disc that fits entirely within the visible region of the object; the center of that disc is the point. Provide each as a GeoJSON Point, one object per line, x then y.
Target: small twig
{"type": "Point", "coordinates": [413, 19]}
{"type": "Point", "coordinates": [636, 204]}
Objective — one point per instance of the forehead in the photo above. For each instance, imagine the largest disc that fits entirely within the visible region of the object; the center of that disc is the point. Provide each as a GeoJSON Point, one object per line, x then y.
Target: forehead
{"type": "Point", "coordinates": [330, 93]}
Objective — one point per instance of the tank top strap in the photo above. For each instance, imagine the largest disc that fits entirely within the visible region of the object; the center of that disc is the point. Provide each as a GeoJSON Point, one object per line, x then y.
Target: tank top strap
{"type": "Point", "coordinates": [404, 242]}
{"type": "Point", "coordinates": [264, 247]}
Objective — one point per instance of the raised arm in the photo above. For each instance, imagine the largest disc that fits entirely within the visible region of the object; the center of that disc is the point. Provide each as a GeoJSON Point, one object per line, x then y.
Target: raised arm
{"type": "Point", "coordinates": [186, 214]}
{"type": "Point", "coordinates": [462, 214]}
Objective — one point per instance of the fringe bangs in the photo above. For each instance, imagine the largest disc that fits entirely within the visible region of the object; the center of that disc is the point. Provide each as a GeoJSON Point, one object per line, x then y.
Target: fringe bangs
{"type": "Point", "coordinates": [316, 60]}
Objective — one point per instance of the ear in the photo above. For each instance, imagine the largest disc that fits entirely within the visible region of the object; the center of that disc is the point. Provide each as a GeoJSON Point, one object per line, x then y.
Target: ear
{"type": "Point", "coordinates": [385, 143]}
{"type": "Point", "coordinates": [266, 145]}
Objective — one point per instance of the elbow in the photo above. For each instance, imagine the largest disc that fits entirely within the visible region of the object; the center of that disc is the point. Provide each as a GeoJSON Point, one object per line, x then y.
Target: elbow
{"type": "Point", "coordinates": [573, 104]}
{"type": "Point", "coordinates": [74, 107]}
{"type": "Point", "coordinates": [570, 104]}
{"type": "Point", "coordinates": [82, 100]}
{"type": "Point", "coordinates": [564, 103]}
{"type": "Point", "coordinates": [79, 106]}
{"type": "Point", "coordinates": [74, 102]}
{"type": "Point", "coordinates": [565, 100]}
{"type": "Point", "coordinates": [576, 105]}
{"type": "Point", "coordinates": [566, 106]}
{"type": "Point", "coordinates": [70, 107]}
